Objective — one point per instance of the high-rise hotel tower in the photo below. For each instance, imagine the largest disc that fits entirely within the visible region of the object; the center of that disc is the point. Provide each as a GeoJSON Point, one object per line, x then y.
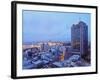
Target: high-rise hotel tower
{"type": "Point", "coordinates": [79, 38]}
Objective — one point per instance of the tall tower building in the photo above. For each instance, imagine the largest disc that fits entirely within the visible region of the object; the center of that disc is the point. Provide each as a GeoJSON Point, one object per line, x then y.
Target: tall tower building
{"type": "Point", "coordinates": [79, 38]}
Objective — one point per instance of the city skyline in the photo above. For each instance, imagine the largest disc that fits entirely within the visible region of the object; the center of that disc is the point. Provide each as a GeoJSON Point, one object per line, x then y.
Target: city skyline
{"type": "Point", "coordinates": [51, 26]}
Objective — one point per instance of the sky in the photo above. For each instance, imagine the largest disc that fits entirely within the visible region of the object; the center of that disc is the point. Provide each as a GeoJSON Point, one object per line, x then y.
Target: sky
{"type": "Point", "coordinates": [51, 26]}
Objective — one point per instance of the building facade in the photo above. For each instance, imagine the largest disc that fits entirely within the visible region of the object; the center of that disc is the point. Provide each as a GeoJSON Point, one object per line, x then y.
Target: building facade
{"type": "Point", "coordinates": [79, 38]}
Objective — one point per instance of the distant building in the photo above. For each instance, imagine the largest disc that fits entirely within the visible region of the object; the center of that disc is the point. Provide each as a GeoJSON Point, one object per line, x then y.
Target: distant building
{"type": "Point", "coordinates": [44, 47]}
{"type": "Point", "coordinates": [63, 50]}
{"type": "Point", "coordinates": [79, 38]}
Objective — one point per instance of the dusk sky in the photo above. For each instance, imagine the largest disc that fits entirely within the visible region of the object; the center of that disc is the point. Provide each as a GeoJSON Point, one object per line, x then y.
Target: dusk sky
{"type": "Point", "coordinates": [51, 26]}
